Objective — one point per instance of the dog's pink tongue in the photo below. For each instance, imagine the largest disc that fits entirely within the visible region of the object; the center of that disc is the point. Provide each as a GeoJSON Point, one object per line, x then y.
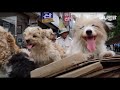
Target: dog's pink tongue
{"type": "Point", "coordinates": [29, 46]}
{"type": "Point", "coordinates": [91, 44]}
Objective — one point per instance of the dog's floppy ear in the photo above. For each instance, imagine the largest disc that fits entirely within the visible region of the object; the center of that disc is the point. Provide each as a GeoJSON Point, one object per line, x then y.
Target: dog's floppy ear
{"type": "Point", "coordinates": [75, 18]}
{"type": "Point", "coordinates": [107, 25]}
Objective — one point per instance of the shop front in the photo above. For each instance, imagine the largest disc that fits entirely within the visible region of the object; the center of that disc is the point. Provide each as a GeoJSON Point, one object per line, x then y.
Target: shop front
{"type": "Point", "coordinates": [16, 24]}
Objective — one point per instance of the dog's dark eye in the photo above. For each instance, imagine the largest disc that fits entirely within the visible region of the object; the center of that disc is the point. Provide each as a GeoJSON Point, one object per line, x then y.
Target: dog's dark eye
{"type": "Point", "coordinates": [95, 25]}
{"type": "Point", "coordinates": [34, 36]}
{"type": "Point", "coordinates": [81, 27]}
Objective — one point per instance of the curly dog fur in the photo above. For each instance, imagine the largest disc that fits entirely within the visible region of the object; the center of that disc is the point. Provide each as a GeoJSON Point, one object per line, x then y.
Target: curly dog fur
{"type": "Point", "coordinates": [8, 46]}
{"type": "Point", "coordinates": [20, 66]}
{"type": "Point", "coordinates": [13, 60]}
{"type": "Point", "coordinates": [42, 50]}
{"type": "Point", "coordinates": [49, 35]}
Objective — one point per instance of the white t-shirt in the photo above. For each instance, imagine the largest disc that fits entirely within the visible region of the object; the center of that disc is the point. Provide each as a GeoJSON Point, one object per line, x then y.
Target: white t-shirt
{"type": "Point", "coordinates": [65, 43]}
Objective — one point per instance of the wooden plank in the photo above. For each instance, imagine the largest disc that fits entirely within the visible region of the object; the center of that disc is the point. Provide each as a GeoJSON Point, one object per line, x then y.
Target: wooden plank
{"type": "Point", "coordinates": [116, 56]}
{"type": "Point", "coordinates": [57, 66]}
{"type": "Point", "coordinates": [110, 64]}
{"type": "Point", "coordinates": [104, 62]}
{"type": "Point", "coordinates": [111, 74]}
{"type": "Point", "coordinates": [111, 58]}
{"type": "Point", "coordinates": [82, 71]}
{"type": "Point", "coordinates": [69, 69]}
{"type": "Point", "coordinates": [100, 72]}
{"type": "Point", "coordinates": [107, 60]}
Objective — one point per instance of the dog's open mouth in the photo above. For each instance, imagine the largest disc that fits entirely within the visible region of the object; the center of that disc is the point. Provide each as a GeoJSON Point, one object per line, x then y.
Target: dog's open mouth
{"type": "Point", "coordinates": [91, 45]}
{"type": "Point", "coordinates": [30, 46]}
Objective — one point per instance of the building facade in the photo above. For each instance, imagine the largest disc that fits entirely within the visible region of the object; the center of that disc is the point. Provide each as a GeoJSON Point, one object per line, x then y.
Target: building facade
{"type": "Point", "coordinates": [17, 22]}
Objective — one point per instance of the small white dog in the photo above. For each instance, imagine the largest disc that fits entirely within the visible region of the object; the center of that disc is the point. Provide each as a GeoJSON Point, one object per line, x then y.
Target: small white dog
{"type": "Point", "coordinates": [90, 37]}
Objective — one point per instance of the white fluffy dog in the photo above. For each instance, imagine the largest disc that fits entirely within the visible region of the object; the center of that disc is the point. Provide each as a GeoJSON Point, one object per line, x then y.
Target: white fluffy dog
{"type": "Point", "coordinates": [90, 37]}
{"type": "Point", "coordinates": [41, 48]}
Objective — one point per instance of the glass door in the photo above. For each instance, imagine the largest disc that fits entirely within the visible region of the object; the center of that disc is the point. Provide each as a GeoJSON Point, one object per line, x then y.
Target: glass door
{"type": "Point", "coordinates": [10, 24]}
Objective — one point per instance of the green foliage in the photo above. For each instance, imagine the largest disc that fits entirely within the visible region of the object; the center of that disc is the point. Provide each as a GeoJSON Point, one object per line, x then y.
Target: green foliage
{"type": "Point", "coordinates": [116, 30]}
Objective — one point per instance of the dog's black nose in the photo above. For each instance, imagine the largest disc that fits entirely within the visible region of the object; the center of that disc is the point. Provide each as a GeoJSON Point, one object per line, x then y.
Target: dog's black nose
{"type": "Point", "coordinates": [27, 41]}
{"type": "Point", "coordinates": [89, 32]}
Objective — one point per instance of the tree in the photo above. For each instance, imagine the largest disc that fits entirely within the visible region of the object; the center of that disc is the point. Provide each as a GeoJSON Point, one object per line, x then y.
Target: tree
{"type": "Point", "coordinates": [116, 23]}
{"type": "Point", "coordinates": [115, 34]}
